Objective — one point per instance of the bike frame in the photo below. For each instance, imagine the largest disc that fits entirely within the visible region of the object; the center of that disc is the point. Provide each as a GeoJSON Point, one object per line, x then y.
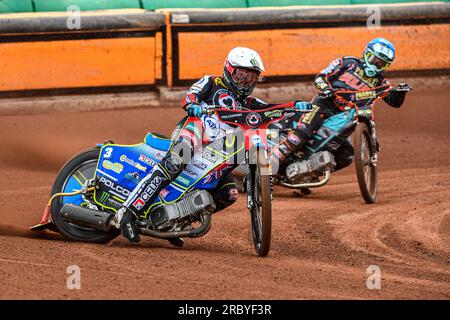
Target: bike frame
{"type": "Point", "coordinates": [255, 124]}
{"type": "Point", "coordinates": [362, 112]}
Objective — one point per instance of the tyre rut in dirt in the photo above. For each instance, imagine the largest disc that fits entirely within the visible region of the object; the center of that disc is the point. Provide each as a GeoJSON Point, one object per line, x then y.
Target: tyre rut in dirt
{"type": "Point", "coordinates": [87, 162]}
{"type": "Point", "coordinates": [366, 172]}
{"type": "Point", "coordinates": [261, 213]}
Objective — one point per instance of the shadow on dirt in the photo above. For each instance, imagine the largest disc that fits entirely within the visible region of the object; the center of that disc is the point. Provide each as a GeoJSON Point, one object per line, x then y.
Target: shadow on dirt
{"type": "Point", "coordinates": [13, 231]}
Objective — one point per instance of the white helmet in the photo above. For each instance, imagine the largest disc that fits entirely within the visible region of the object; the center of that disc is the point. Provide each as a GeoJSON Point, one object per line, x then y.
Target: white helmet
{"type": "Point", "coordinates": [241, 71]}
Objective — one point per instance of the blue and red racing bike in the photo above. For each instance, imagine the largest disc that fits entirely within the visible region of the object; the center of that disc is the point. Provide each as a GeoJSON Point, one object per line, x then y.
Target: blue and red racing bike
{"type": "Point", "coordinates": [92, 186]}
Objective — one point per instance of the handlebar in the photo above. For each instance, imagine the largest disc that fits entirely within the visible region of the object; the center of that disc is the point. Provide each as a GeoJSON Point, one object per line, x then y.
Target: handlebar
{"type": "Point", "coordinates": [210, 110]}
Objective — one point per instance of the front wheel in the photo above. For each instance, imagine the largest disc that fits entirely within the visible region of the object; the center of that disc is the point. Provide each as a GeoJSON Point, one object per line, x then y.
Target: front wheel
{"type": "Point", "coordinates": [366, 170]}
{"type": "Point", "coordinates": [72, 177]}
{"type": "Point", "coordinates": [261, 211]}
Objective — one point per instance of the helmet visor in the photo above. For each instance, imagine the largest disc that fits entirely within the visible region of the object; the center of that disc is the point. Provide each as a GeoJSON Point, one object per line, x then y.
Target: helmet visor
{"type": "Point", "coordinates": [378, 63]}
{"type": "Point", "coordinates": [245, 76]}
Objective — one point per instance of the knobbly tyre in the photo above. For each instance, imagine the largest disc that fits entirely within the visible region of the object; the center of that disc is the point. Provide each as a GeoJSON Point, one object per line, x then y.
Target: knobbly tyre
{"type": "Point", "coordinates": [90, 187]}
{"type": "Point", "coordinates": [312, 166]}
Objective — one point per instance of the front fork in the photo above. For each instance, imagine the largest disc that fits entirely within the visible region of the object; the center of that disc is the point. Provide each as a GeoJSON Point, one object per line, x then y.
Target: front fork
{"type": "Point", "coordinates": [373, 143]}
{"type": "Point", "coordinates": [250, 176]}
{"type": "Point", "coordinates": [251, 168]}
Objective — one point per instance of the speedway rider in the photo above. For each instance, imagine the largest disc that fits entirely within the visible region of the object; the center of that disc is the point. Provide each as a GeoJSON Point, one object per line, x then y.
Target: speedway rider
{"type": "Point", "coordinates": [348, 73]}
{"type": "Point", "coordinates": [242, 69]}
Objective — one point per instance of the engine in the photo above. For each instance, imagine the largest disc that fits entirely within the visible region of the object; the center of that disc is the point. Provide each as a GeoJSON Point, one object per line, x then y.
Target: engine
{"type": "Point", "coordinates": [310, 169]}
{"type": "Point", "coordinates": [191, 205]}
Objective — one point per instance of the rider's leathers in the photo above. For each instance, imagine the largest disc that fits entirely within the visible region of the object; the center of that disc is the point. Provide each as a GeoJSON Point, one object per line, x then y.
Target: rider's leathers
{"type": "Point", "coordinates": [346, 73]}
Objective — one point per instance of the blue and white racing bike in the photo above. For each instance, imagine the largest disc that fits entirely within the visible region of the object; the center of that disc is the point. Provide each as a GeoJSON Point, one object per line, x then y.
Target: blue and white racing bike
{"type": "Point", "coordinates": [91, 187]}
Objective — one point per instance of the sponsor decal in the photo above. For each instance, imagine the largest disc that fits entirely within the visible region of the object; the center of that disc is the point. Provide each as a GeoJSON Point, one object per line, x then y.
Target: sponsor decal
{"type": "Point", "coordinates": [184, 181]}
{"type": "Point", "coordinates": [114, 202]}
{"type": "Point", "coordinates": [133, 163]}
{"type": "Point", "coordinates": [210, 157]}
{"type": "Point", "coordinates": [211, 127]}
{"type": "Point", "coordinates": [143, 158]}
{"type": "Point", "coordinates": [108, 153]}
{"type": "Point", "coordinates": [225, 99]}
{"type": "Point", "coordinates": [211, 123]}
{"type": "Point", "coordinates": [253, 119]}
{"type": "Point", "coordinates": [365, 95]}
{"type": "Point", "coordinates": [113, 166]}
{"type": "Point", "coordinates": [164, 193]}
{"type": "Point", "coordinates": [190, 173]}
{"type": "Point", "coordinates": [103, 197]}
{"type": "Point", "coordinates": [153, 186]}
{"type": "Point", "coordinates": [359, 73]}
{"type": "Point", "coordinates": [118, 188]}
{"type": "Point", "coordinates": [230, 116]}
{"type": "Point", "coordinates": [307, 118]}
{"type": "Point", "coordinates": [173, 164]}
{"type": "Point", "coordinates": [273, 113]}
{"type": "Point", "coordinates": [133, 176]}
{"type": "Point", "coordinates": [219, 82]}
{"type": "Point", "coordinates": [255, 63]}
{"type": "Point", "coordinates": [331, 66]}
{"type": "Point", "coordinates": [214, 175]}
{"type": "Point", "coordinates": [292, 138]}
{"type": "Point", "coordinates": [199, 164]}
{"type": "Point", "coordinates": [234, 194]}
{"type": "Point", "coordinates": [148, 192]}
{"type": "Point", "coordinates": [139, 204]}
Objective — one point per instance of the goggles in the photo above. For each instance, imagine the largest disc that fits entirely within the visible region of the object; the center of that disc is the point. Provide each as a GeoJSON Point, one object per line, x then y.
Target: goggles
{"type": "Point", "coordinates": [376, 62]}
{"type": "Point", "coordinates": [243, 76]}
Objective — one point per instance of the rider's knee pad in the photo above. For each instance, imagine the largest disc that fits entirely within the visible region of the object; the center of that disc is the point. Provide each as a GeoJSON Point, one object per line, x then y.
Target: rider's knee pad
{"type": "Point", "coordinates": [172, 164]}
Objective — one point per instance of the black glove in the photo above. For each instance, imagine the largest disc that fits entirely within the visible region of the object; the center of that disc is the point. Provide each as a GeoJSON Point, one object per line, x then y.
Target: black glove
{"type": "Point", "coordinates": [403, 87]}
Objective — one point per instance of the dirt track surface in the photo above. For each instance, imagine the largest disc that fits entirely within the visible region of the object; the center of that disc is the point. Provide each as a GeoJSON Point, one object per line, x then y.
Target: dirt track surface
{"type": "Point", "coordinates": [322, 244]}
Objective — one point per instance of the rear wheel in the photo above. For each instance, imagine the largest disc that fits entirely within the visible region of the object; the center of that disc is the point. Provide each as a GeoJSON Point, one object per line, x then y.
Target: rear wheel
{"type": "Point", "coordinates": [261, 212]}
{"type": "Point", "coordinates": [366, 171]}
{"type": "Point", "coordinates": [72, 177]}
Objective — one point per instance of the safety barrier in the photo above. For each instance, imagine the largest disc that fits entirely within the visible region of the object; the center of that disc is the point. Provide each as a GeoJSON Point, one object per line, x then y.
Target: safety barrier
{"type": "Point", "coordinates": [9, 6]}
{"type": "Point", "coordinates": [123, 50]}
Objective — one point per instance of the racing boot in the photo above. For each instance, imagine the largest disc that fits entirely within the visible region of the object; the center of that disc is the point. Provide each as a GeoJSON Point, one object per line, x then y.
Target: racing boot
{"type": "Point", "coordinates": [128, 227]}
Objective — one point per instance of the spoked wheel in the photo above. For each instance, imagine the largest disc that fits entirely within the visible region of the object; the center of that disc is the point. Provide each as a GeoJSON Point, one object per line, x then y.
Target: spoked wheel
{"type": "Point", "coordinates": [261, 211]}
{"type": "Point", "coordinates": [366, 171]}
{"type": "Point", "coordinates": [70, 178]}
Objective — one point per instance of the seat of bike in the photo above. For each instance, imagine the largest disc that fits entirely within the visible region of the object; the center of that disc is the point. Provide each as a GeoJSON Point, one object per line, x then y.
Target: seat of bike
{"type": "Point", "coordinates": [157, 141]}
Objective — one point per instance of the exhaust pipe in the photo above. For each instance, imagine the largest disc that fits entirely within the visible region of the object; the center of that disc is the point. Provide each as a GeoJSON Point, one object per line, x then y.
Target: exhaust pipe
{"type": "Point", "coordinates": [194, 233]}
{"type": "Point", "coordinates": [87, 217]}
